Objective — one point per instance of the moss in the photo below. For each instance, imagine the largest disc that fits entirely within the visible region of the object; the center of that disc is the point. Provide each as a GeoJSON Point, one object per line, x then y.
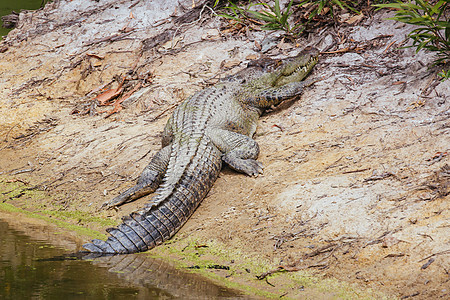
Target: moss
{"type": "Point", "coordinates": [80, 217]}
{"type": "Point", "coordinates": [75, 228]}
{"type": "Point", "coordinates": [187, 261]}
{"type": "Point", "coordinates": [198, 256]}
{"type": "Point", "coordinates": [14, 189]}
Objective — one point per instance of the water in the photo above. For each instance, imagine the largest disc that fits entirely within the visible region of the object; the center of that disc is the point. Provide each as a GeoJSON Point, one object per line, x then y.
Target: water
{"type": "Point", "coordinates": [7, 6]}
{"type": "Point", "coordinates": [26, 274]}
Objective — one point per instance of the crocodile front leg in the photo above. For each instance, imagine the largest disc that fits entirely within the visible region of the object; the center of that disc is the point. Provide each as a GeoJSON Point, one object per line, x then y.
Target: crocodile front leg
{"type": "Point", "coordinates": [240, 151]}
{"type": "Point", "coordinates": [273, 96]}
{"type": "Point", "coordinates": [147, 183]}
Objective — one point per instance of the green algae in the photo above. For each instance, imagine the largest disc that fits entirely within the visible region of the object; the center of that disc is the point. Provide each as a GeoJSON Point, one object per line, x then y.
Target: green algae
{"type": "Point", "coordinates": [83, 231]}
{"type": "Point", "coordinates": [81, 217]}
{"type": "Point", "coordinates": [38, 209]}
{"type": "Point", "coordinates": [15, 189]}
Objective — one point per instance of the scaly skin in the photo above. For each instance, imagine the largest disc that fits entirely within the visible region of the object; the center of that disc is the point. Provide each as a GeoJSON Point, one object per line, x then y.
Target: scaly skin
{"type": "Point", "coordinates": [214, 125]}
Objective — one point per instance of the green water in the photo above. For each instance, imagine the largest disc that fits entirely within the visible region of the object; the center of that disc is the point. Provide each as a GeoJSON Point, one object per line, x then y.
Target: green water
{"type": "Point", "coordinates": [28, 270]}
{"type": "Point", "coordinates": [7, 6]}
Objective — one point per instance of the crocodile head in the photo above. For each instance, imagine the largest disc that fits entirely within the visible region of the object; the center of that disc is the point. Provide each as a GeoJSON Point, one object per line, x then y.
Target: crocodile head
{"type": "Point", "coordinates": [264, 73]}
{"type": "Point", "coordinates": [294, 69]}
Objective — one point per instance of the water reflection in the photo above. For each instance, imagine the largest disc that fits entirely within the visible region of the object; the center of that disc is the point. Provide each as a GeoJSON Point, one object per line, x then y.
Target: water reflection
{"type": "Point", "coordinates": [26, 274]}
{"type": "Point", "coordinates": [141, 270]}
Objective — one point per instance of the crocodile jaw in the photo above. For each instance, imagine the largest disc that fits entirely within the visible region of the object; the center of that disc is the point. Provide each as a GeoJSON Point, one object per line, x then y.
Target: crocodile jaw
{"type": "Point", "coordinates": [297, 68]}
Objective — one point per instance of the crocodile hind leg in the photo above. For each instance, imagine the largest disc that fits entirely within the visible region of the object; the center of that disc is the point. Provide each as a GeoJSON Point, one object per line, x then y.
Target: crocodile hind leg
{"type": "Point", "coordinates": [240, 151]}
{"type": "Point", "coordinates": [147, 183]}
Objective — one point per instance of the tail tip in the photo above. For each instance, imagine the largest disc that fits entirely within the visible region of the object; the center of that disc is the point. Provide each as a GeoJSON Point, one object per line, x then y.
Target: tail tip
{"type": "Point", "coordinates": [92, 248]}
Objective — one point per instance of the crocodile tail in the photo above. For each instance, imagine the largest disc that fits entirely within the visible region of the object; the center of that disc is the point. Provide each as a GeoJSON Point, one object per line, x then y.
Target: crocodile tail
{"type": "Point", "coordinates": [142, 231]}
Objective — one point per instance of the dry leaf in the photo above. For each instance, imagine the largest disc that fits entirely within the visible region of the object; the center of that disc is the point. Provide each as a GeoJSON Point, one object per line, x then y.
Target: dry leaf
{"type": "Point", "coordinates": [324, 11]}
{"type": "Point", "coordinates": [230, 64]}
{"type": "Point", "coordinates": [117, 104]}
{"type": "Point", "coordinates": [354, 19]}
{"type": "Point", "coordinates": [283, 46]}
{"type": "Point", "coordinates": [95, 55]}
{"type": "Point", "coordinates": [110, 94]}
{"type": "Point", "coordinates": [258, 46]}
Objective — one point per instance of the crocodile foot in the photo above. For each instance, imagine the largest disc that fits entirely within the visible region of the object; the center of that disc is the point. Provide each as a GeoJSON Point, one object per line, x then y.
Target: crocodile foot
{"type": "Point", "coordinates": [133, 193]}
{"type": "Point", "coordinates": [251, 167]}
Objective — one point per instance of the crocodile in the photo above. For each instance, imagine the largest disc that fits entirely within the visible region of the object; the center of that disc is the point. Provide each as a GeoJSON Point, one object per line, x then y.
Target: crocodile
{"type": "Point", "coordinates": [212, 126]}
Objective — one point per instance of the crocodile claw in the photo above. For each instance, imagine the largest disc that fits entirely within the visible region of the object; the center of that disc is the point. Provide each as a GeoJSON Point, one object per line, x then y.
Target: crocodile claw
{"type": "Point", "coordinates": [251, 167]}
{"type": "Point", "coordinates": [258, 168]}
{"type": "Point", "coordinates": [117, 201]}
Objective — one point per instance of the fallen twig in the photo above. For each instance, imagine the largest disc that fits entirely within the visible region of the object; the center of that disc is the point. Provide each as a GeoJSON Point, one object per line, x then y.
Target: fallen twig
{"type": "Point", "coordinates": [389, 46]}
{"type": "Point", "coordinates": [344, 50]}
{"type": "Point", "coordinates": [23, 171]}
{"type": "Point", "coordinates": [379, 177]}
{"type": "Point", "coordinates": [279, 269]}
{"type": "Point", "coordinates": [267, 281]}
{"type": "Point", "coordinates": [112, 38]}
{"type": "Point", "coordinates": [356, 171]}
{"type": "Point", "coordinates": [162, 113]}
{"type": "Point", "coordinates": [333, 165]}
{"type": "Point", "coordinates": [410, 296]}
{"type": "Point", "coordinates": [435, 254]}
{"type": "Point", "coordinates": [326, 248]}
{"type": "Point", "coordinates": [427, 264]}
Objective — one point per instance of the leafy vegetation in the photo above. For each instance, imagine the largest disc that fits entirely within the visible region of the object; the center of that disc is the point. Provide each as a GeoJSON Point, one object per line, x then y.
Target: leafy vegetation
{"type": "Point", "coordinates": [433, 21]}
{"type": "Point", "coordinates": [431, 17]}
{"type": "Point", "coordinates": [445, 75]}
{"type": "Point", "coordinates": [275, 18]}
{"type": "Point", "coordinates": [272, 17]}
{"type": "Point", "coordinates": [321, 6]}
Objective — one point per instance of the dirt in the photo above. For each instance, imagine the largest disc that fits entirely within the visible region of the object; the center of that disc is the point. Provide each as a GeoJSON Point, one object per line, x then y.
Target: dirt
{"type": "Point", "coordinates": [356, 179]}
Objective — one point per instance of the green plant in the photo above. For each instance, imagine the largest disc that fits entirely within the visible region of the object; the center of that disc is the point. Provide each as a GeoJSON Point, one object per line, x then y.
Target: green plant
{"type": "Point", "coordinates": [445, 75]}
{"type": "Point", "coordinates": [236, 13]}
{"type": "Point", "coordinates": [433, 21]}
{"type": "Point", "coordinates": [321, 5]}
{"type": "Point", "coordinates": [274, 18]}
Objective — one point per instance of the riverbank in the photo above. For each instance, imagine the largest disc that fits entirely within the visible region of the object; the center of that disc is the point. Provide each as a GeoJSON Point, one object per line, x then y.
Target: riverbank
{"type": "Point", "coordinates": [355, 185]}
{"type": "Point", "coordinates": [214, 261]}
{"type": "Point", "coordinates": [34, 263]}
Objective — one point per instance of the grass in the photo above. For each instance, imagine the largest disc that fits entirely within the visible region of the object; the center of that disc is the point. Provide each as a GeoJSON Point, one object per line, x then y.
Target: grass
{"type": "Point", "coordinates": [274, 17]}
{"type": "Point", "coordinates": [329, 6]}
